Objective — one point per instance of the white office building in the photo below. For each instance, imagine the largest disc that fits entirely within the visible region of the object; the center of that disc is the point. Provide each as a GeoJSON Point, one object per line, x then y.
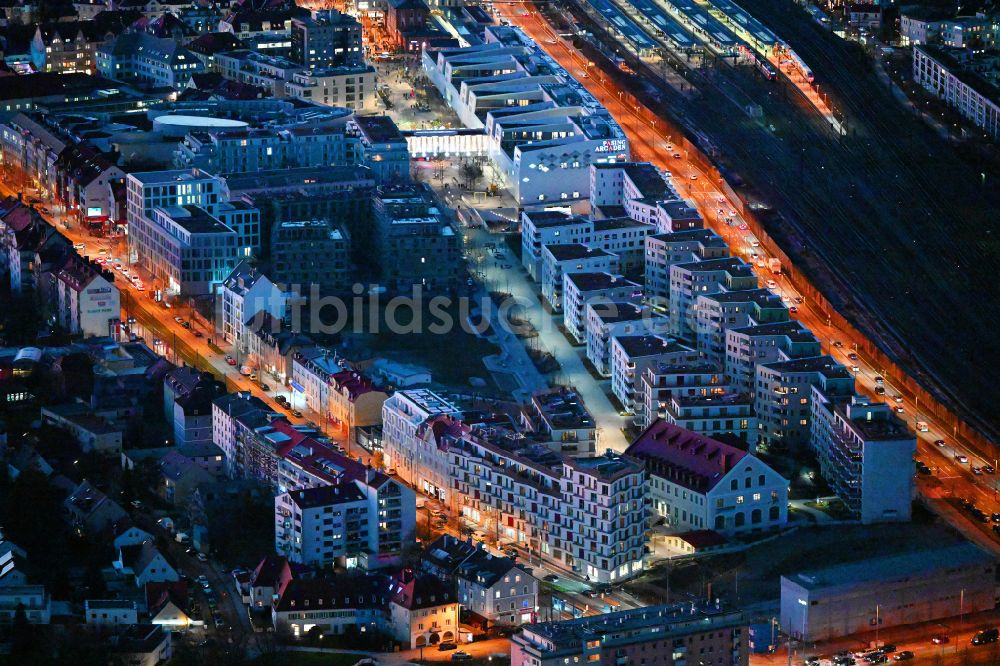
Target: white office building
{"type": "Point", "coordinates": [632, 354]}
{"type": "Point", "coordinates": [690, 280]}
{"type": "Point", "coordinates": [605, 321]}
{"type": "Point", "coordinates": [663, 250]}
{"type": "Point", "coordinates": [581, 290]}
{"type": "Point", "coordinates": [560, 260]}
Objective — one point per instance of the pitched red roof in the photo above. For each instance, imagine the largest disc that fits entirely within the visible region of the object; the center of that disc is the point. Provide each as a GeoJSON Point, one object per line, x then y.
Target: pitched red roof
{"type": "Point", "coordinates": [683, 456]}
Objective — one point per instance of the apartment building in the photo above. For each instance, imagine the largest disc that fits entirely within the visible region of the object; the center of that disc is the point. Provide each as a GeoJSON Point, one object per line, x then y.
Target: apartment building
{"type": "Point", "coordinates": [747, 346]}
{"type": "Point", "coordinates": [548, 227]}
{"type": "Point", "coordinates": [235, 417]}
{"type": "Point", "coordinates": [326, 39]}
{"type": "Point", "coordinates": [716, 313]}
{"type": "Point", "coordinates": [423, 610]}
{"type": "Point", "coordinates": [783, 397]}
{"type": "Point", "coordinates": [349, 523]}
{"type": "Point", "coordinates": [605, 321]}
{"type": "Point", "coordinates": [342, 395]}
{"type": "Point", "coordinates": [560, 260]}
{"type": "Point", "coordinates": [492, 590]}
{"type": "Point", "coordinates": [352, 88]}
{"type": "Point", "coordinates": [402, 415]}
{"type": "Point", "coordinates": [251, 150]}
{"type": "Point", "coordinates": [699, 483]}
{"type": "Point", "coordinates": [87, 301]}
{"type": "Point", "coordinates": [677, 215]}
{"type": "Point", "coordinates": [138, 57]}
{"type": "Point", "coordinates": [244, 293]}
{"type": "Point", "coordinates": [727, 415]}
{"type": "Point", "coordinates": [417, 245]}
{"type": "Point", "coordinates": [865, 453]}
{"type": "Point", "coordinates": [632, 354]}
{"type": "Point", "coordinates": [690, 280]}
{"type": "Point", "coordinates": [670, 634]}
{"type": "Point", "coordinates": [583, 513]}
{"type": "Point", "coordinates": [383, 149]}
{"type": "Point", "coordinates": [561, 418]}
{"type": "Point", "coordinates": [662, 381]}
{"type": "Point", "coordinates": [943, 73]}
{"type": "Point", "coordinates": [637, 188]}
{"type": "Point", "coordinates": [309, 255]}
{"type": "Point", "coordinates": [663, 250]}
{"type": "Point", "coordinates": [581, 290]}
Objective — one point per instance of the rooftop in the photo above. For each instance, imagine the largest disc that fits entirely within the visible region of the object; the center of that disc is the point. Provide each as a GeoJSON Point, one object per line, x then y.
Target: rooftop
{"type": "Point", "coordinates": [573, 251]}
{"type": "Point", "coordinates": [626, 626]}
{"type": "Point", "coordinates": [636, 346]}
{"type": "Point", "coordinates": [597, 281]}
{"type": "Point", "coordinates": [920, 563]}
{"type": "Point", "coordinates": [683, 456]}
{"type": "Point", "coordinates": [563, 408]}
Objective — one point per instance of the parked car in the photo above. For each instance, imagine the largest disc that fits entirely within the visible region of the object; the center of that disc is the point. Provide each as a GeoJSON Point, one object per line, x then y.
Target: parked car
{"type": "Point", "coordinates": [447, 645]}
{"type": "Point", "coordinates": [905, 655]}
{"type": "Point", "coordinates": [550, 578]}
{"type": "Point", "coordinates": [940, 639]}
{"type": "Point", "coordinates": [461, 656]}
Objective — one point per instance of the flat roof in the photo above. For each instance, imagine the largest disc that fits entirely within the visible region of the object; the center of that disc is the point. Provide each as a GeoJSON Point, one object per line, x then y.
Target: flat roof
{"type": "Point", "coordinates": [596, 281]}
{"type": "Point", "coordinates": [576, 251]}
{"type": "Point", "coordinates": [924, 563]}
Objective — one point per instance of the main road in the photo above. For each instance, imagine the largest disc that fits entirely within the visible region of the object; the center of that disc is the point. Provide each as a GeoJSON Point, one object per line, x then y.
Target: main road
{"type": "Point", "coordinates": [951, 478]}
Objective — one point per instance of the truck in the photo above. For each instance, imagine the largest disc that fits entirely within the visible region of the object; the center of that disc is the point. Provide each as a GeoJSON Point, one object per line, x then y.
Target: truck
{"type": "Point", "coordinates": [774, 265]}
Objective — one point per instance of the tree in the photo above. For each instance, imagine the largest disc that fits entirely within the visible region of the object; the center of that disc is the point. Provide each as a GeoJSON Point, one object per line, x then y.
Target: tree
{"type": "Point", "coordinates": [21, 636]}
{"type": "Point", "coordinates": [471, 173]}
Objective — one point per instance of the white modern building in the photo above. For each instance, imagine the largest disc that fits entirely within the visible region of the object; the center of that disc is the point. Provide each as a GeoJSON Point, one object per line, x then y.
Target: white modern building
{"type": "Point", "coordinates": [245, 292]}
{"type": "Point", "coordinates": [865, 453]}
{"type": "Point", "coordinates": [716, 313]}
{"type": "Point", "coordinates": [699, 483]}
{"type": "Point", "coordinates": [512, 490]}
{"type": "Point", "coordinates": [87, 301]}
{"type": "Point", "coordinates": [582, 290]}
{"type": "Point", "coordinates": [336, 524]}
{"type": "Point", "coordinates": [748, 346]}
{"type": "Point", "coordinates": [544, 128]}
{"type": "Point", "coordinates": [663, 381]}
{"type": "Point", "coordinates": [690, 280]}
{"type": "Point", "coordinates": [605, 321]}
{"type": "Point", "coordinates": [637, 188]}
{"type": "Point", "coordinates": [784, 393]}
{"type": "Point", "coordinates": [943, 74]}
{"type": "Point", "coordinates": [560, 260]}
{"type": "Point", "coordinates": [663, 250]}
{"type": "Point", "coordinates": [632, 354]}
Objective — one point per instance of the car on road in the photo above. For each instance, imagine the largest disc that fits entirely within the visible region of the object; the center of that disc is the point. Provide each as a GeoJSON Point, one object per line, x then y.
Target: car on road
{"type": "Point", "coordinates": [978, 471]}
{"type": "Point", "coordinates": [852, 356]}
{"type": "Point", "coordinates": [677, 156]}
{"type": "Point", "coordinates": [79, 246]}
{"type": "Point", "coordinates": [989, 469]}
{"type": "Point", "coordinates": [838, 344]}
{"type": "Point", "coordinates": [179, 319]}
{"type": "Point", "coordinates": [940, 639]}
{"type": "Point", "coordinates": [230, 360]}
{"type": "Point", "coordinates": [962, 458]}
{"type": "Point", "coordinates": [202, 557]}
{"type": "Point", "coordinates": [986, 636]}
{"type": "Point", "coordinates": [694, 176]}
{"type": "Point", "coordinates": [876, 658]}
{"type": "Point", "coordinates": [198, 334]}
{"type": "Point", "coordinates": [296, 413]}
{"type": "Point", "coordinates": [190, 551]}
{"type": "Point", "coordinates": [461, 656]}
{"type": "Point", "coordinates": [899, 410]}
{"type": "Point", "coordinates": [136, 504]}
{"type": "Point", "coordinates": [905, 655]}
{"type": "Point", "coordinates": [793, 309]}
{"type": "Point", "coordinates": [939, 442]}
{"type": "Point", "coordinates": [447, 645]}
{"type": "Point", "coordinates": [264, 387]}
{"type": "Point", "coordinates": [550, 41]}
{"type": "Point", "coordinates": [879, 390]}
{"type": "Point", "coordinates": [203, 581]}
{"type": "Point", "coordinates": [550, 578]}
{"type": "Point", "coordinates": [281, 400]}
